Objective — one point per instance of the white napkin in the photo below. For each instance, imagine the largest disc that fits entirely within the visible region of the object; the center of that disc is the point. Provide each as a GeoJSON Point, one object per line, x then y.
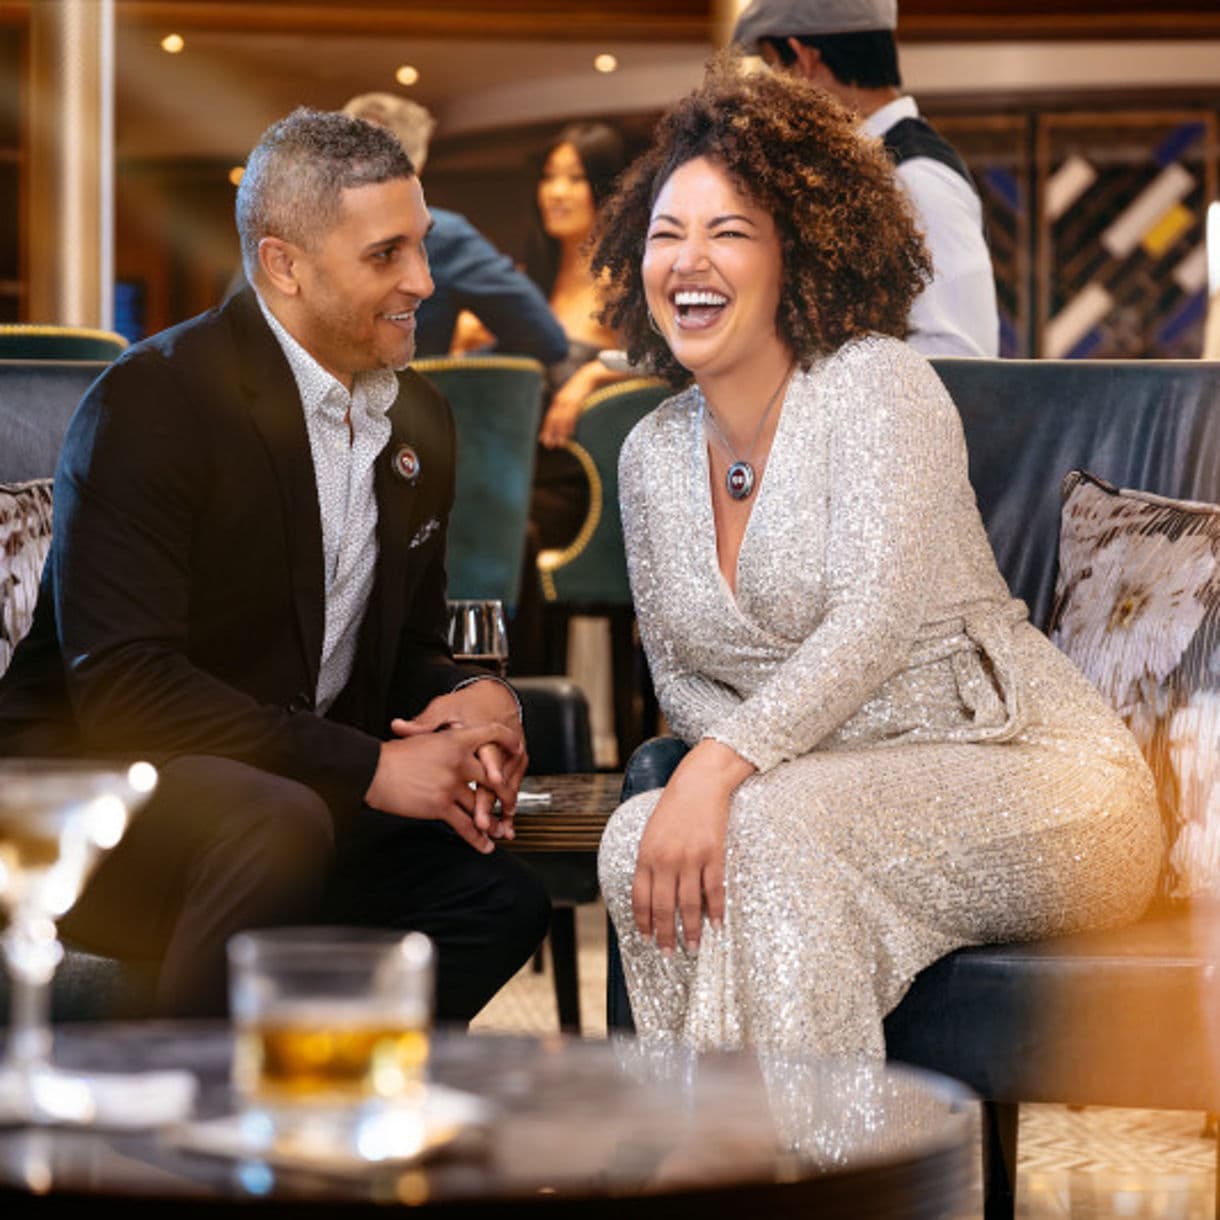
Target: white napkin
{"type": "Point", "coordinates": [527, 799]}
{"type": "Point", "coordinates": [128, 1101]}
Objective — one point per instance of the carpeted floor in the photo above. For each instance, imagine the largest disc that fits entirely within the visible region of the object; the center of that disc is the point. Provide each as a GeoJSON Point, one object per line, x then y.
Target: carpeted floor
{"type": "Point", "coordinates": [1090, 1164]}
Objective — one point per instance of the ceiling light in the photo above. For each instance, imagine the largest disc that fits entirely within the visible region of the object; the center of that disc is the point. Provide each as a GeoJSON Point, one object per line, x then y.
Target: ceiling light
{"type": "Point", "coordinates": [173, 43]}
{"type": "Point", "coordinates": [605, 63]}
{"type": "Point", "coordinates": [406, 75]}
{"type": "Point", "coordinates": [236, 174]}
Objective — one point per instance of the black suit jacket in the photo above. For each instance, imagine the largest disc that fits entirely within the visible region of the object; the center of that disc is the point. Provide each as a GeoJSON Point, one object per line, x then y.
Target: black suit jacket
{"type": "Point", "coordinates": [182, 607]}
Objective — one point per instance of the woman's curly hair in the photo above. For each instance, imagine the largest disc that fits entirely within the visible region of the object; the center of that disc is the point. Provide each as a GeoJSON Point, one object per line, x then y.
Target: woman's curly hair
{"type": "Point", "coordinates": [852, 257]}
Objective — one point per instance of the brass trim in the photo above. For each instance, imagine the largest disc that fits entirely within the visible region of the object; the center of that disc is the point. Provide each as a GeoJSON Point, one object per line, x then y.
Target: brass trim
{"type": "Point", "coordinates": [443, 364]}
{"type": "Point", "coordinates": [551, 560]}
{"type": "Point", "coordinates": [51, 331]}
{"type": "Point", "coordinates": [616, 388]}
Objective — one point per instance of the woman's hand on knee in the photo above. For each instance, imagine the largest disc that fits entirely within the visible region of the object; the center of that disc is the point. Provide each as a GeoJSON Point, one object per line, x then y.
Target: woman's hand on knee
{"type": "Point", "coordinates": [680, 867]}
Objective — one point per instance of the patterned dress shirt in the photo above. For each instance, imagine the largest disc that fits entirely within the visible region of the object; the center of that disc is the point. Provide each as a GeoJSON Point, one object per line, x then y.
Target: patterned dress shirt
{"type": "Point", "coordinates": [343, 458]}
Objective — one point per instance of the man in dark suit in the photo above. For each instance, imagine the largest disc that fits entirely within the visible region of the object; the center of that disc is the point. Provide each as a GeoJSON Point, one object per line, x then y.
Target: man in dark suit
{"type": "Point", "coordinates": [246, 586]}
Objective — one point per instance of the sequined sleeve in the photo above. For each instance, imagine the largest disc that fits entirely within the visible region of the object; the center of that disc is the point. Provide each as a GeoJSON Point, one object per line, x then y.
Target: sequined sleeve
{"type": "Point", "coordinates": [894, 435]}
{"type": "Point", "coordinates": [691, 701]}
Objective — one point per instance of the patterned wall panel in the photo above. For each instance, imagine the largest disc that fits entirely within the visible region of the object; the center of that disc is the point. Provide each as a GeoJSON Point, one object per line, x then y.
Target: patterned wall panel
{"type": "Point", "coordinates": [996, 148]}
{"type": "Point", "coordinates": [1121, 260]}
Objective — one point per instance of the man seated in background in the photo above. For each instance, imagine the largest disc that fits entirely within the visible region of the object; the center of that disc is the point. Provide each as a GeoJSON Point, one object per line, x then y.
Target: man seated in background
{"type": "Point", "coordinates": [847, 48]}
{"type": "Point", "coordinates": [246, 587]}
{"type": "Point", "coordinates": [471, 275]}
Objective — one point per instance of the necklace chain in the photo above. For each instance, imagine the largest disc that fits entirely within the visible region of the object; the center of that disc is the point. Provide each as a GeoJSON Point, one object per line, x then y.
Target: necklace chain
{"type": "Point", "coordinates": [739, 478]}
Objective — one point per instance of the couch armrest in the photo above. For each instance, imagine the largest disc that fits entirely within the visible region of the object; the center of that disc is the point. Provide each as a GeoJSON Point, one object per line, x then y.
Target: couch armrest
{"type": "Point", "coordinates": [651, 765]}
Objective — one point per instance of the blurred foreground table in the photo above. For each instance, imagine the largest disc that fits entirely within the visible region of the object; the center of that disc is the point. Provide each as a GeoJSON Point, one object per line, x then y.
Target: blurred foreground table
{"type": "Point", "coordinates": [581, 1128]}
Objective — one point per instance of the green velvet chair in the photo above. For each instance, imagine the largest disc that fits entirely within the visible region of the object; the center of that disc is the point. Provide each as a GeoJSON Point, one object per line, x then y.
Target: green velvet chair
{"type": "Point", "coordinates": [38, 341]}
{"type": "Point", "coordinates": [590, 575]}
{"type": "Point", "coordinates": [497, 408]}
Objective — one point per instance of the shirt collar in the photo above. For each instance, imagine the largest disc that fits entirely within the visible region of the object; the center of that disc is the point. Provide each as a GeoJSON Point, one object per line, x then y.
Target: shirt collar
{"type": "Point", "coordinates": [880, 121]}
{"type": "Point", "coordinates": [321, 391]}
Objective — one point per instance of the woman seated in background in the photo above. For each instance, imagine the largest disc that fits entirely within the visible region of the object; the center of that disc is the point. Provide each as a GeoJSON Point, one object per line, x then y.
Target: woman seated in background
{"type": "Point", "coordinates": [887, 760]}
{"type": "Point", "coordinates": [579, 170]}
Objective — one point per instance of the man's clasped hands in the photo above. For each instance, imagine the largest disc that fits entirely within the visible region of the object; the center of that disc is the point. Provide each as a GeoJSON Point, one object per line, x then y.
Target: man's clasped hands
{"type": "Point", "coordinates": [460, 761]}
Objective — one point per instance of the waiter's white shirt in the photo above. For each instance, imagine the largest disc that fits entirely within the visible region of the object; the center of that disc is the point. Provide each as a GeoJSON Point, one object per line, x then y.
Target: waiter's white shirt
{"type": "Point", "coordinates": [956, 315]}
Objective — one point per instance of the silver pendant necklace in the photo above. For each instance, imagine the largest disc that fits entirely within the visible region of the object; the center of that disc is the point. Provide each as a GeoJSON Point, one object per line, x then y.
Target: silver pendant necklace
{"type": "Point", "coordinates": [739, 479]}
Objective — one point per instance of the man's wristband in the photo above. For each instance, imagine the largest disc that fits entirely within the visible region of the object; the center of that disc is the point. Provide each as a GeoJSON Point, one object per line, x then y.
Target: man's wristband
{"type": "Point", "coordinates": [465, 682]}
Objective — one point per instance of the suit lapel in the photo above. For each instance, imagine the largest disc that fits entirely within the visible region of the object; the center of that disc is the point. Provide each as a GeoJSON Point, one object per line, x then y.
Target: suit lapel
{"type": "Point", "coordinates": [396, 501]}
{"type": "Point", "coordinates": [275, 407]}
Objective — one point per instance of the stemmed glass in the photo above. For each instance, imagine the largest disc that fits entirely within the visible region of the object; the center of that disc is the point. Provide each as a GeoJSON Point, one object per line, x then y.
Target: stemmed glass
{"type": "Point", "coordinates": [57, 819]}
{"type": "Point", "coordinates": [478, 633]}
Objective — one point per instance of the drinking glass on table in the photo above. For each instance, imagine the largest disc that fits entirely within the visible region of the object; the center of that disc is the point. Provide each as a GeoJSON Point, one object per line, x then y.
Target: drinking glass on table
{"type": "Point", "coordinates": [478, 633]}
{"type": "Point", "coordinates": [57, 819]}
{"type": "Point", "coordinates": [331, 1024]}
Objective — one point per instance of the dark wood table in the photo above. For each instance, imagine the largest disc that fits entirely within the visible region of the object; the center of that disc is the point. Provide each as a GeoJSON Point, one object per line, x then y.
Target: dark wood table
{"type": "Point", "coordinates": [573, 820]}
{"type": "Point", "coordinates": [585, 1127]}
{"type": "Point", "coordinates": [558, 841]}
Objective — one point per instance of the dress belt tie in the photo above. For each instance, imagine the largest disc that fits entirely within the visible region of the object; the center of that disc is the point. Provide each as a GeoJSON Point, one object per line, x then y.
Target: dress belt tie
{"type": "Point", "coordinates": [985, 630]}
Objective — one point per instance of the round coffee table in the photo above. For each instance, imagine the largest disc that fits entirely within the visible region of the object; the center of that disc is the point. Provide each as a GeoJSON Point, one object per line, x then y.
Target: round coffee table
{"type": "Point", "coordinates": [584, 1127]}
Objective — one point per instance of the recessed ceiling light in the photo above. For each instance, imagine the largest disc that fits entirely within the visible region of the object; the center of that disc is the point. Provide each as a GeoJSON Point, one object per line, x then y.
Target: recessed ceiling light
{"type": "Point", "coordinates": [605, 63]}
{"type": "Point", "coordinates": [236, 174]}
{"type": "Point", "coordinates": [173, 43]}
{"type": "Point", "coordinates": [406, 75]}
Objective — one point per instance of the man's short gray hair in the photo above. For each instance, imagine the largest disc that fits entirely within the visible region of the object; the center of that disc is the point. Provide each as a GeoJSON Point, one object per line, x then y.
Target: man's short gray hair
{"type": "Point", "coordinates": [295, 176]}
{"type": "Point", "coordinates": [408, 120]}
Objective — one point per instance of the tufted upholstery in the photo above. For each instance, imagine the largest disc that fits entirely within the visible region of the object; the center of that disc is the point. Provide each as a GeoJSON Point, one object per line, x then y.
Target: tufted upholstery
{"type": "Point", "coordinates": [37, 398]}
{"type": "Point", "coordinates": [1125, 1017]}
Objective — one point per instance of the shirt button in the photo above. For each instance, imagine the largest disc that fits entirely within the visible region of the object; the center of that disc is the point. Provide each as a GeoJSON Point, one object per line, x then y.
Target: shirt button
{"type": "Point", "coordinates": [300, 703]}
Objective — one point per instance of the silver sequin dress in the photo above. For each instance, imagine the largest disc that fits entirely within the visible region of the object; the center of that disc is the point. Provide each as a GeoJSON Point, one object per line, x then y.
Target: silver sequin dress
{"type": "Point", "coordinates": [932, 772]}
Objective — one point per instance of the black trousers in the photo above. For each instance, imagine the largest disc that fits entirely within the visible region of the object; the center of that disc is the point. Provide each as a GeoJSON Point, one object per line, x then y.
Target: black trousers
{"type": "Point", "coordinates": [223, 847]}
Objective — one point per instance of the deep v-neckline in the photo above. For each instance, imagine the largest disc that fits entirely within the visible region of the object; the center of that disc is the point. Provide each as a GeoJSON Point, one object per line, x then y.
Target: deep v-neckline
{"type": "Point", "coordinates": [703, 442]}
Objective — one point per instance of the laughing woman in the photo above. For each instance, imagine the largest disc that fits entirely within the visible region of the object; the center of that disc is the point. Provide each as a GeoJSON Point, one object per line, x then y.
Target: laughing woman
{"type": "Point", "coordinates": [888, 761]}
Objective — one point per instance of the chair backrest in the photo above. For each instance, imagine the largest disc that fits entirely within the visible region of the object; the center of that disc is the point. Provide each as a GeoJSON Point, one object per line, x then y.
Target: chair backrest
{"type": "Point", "coordinates": [37, 398]}
{"type": "Point", "coordinates": [497, 407]}
{"type": "Point", "coordinates": [44, 341]}
{"type": "Point", "coordinates": [592, 569]}
{"type": "Point", "coordinates": [1147, 424]}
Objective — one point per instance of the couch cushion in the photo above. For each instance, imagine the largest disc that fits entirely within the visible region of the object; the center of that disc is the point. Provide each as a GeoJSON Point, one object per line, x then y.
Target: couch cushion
{"type": "Point", "coordinates": [25, 539]}
{"type": "Point", "coordinates": [1119, 1017]}
{"type": "Point", "coordinates": [1137, 607]}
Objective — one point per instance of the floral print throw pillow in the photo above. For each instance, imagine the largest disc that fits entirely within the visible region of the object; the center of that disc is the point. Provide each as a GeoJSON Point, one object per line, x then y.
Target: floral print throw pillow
{"type": "Point", "coordinates": [25, 539]}
{"type": "Point", "coordinates": [1137, 607]}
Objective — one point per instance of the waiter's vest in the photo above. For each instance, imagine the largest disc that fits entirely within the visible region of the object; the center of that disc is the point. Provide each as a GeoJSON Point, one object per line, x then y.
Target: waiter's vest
{"type": "Point", "coordinates": [914, 138]}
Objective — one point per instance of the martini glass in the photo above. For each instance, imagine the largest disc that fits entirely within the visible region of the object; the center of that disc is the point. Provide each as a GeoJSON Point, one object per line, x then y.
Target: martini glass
{"type": "Point", "coordinates": [57, 819]}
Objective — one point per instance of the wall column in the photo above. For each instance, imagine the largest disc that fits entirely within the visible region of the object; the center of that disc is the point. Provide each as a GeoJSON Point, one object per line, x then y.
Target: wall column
{"type": "Point", "coordinates": [71, 163]}
{"type": "Point", "coordinates": [724, 18]}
